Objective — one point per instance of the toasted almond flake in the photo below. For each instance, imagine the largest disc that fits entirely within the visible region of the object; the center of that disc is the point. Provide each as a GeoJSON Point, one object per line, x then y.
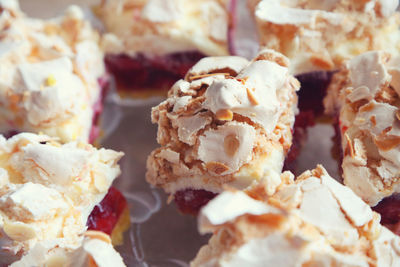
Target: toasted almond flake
{"type": "Point", "coordinates": [251, 97]}
{"type": "Point", "coordinates": [349, 145]}
{"type": "Point", "coordinates": [295, 83]}
{"type": "Point", "coordinates": [98, 235]}
{"type": "Point", "coordinates": [398, 114]}
{"type": "Point", "coordinates": [196, 77]}
{"type": "Point", "coordinates": [19, 231]}
{"type": "Point", "coordinates": [217, 167]}
{"type": "Point", "coordinates": [322, 62]}
{"type": "Point", "coordinates": [373, 120]}
{"type": "Point", "coordinates": [386, 130]}
{"type": "Point", "coordinates": [231, 145]}
{"type": "Point", "coordinates": [274, 57]}
{"type": "Point", "coordinates": [243, 80]}
{"type": "Point", "coordinates": [386, 95]}
{"type": "Point", "coordinates": [368, 107]}
{"type": "Point", "coordinates": [224, 115]}
{"type": "Point", "coordinates": [387, 142]}
{"type": "Point", "coordinates": [360, 120]}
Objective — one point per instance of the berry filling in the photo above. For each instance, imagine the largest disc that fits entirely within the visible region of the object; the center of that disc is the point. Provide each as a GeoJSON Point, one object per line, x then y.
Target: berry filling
{"type": "Point", "coordinates": [189, 201]}
{"type": "Point", "coordinates": [313, 90]}
{"type": "Point", "coordinates": [389, 209]}
{"type": "Point", "coordinates": [143, 72]}
{"type": "Point", "coordinates": [106, 214]}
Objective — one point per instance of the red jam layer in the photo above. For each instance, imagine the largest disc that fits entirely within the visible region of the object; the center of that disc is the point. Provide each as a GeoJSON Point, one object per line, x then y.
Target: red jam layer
{"type": "Point", "coordinates": [143, 72]}
{"type": "Point", "coordinates": [189, 201]}
{"type": "Point", "coordinates": [389, 209]}
{"type": "Point", "coordinates": [106, 214]}
{"type": "Point", "coordinates": [313, 90]}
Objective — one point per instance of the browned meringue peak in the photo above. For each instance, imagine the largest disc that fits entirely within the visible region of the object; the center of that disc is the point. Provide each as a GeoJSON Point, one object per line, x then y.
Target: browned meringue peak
{"type": "Point", "coordinates": [321, 35]}
{"type": "Point", "coordinates": [312, 221]}
{"type": "Point", "coordinates": [366, 92]}
{"type": "Point", "coordinates": [228, 122]}
{"type": "Point", "coordinates": [160, 27]}
{"type": "Point", "coordinates": [47, 192]}
{"type": "Point", "coordinates": [49, 71]}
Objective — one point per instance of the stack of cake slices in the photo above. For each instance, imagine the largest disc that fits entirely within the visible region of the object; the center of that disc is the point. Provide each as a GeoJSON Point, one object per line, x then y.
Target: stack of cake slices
{"type": "Point", "coordinates": [226, 129]}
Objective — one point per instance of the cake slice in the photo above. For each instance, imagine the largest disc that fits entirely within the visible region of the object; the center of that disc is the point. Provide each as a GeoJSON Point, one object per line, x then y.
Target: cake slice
{"type": "Point", "coordinates": [47, 192]}
{"type": "Point", "coordinates": [51, 74]}
{"type": "Point", "coordinates": [312, 221]}
{"type": "Point", "coordinates": [227, 123]}
{"type": "Point", "coordinates": [317, 37]}
{"type": "Point", "coordinates": [321, 35]}
{"type": "Point", "coordinates": [364, 96]}
{"type": "Point", "coordinates": [150, 44]}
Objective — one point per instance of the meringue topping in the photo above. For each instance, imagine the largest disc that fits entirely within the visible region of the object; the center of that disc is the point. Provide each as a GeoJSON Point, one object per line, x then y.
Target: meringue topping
{"type": "Point", "coordinates": [48, 191]}
{"type": "Point", "coordinates": [312, 221]}
{"type": "Point", "coordinates": [228, 122]}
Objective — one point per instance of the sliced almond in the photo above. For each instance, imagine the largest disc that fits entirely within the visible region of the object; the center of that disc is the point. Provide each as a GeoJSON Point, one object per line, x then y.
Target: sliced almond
{"type": "Point", "coordinates": [274, 57]}
{"type": "Point", "coordinates": [295, 83]}
{"type": "Point", "coordinates": [98, 235]}
{"type": "Point", "coordinates": [224, 115]}
{"type": "Point", "coordinates": [386, 95]}
{"type": "Point", "coordinates": [349, 145]}
{"type": "Point", "coordinates": [216, 167]}
{"type": "Point", "coordinates": [373, 120]}
{"type": "Point", "coordinates": [243, 80]}
{"type": "Point", "coordinates": [19, 231]}
{"type": "Point", "coordinates": [231, 145]}
{"type": "Point", "coordinates": [322, 62]}
{"type": "Point", "coordinates": [251, 97]}
{"type": "Point", "coordinates": [368, 107]}
{"type": "Point", "coordinates": [387, 142]}
{"type": "Point", "coordinates": [196, 77]}
{"type": "Point", "coordinates": [398, 114]}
